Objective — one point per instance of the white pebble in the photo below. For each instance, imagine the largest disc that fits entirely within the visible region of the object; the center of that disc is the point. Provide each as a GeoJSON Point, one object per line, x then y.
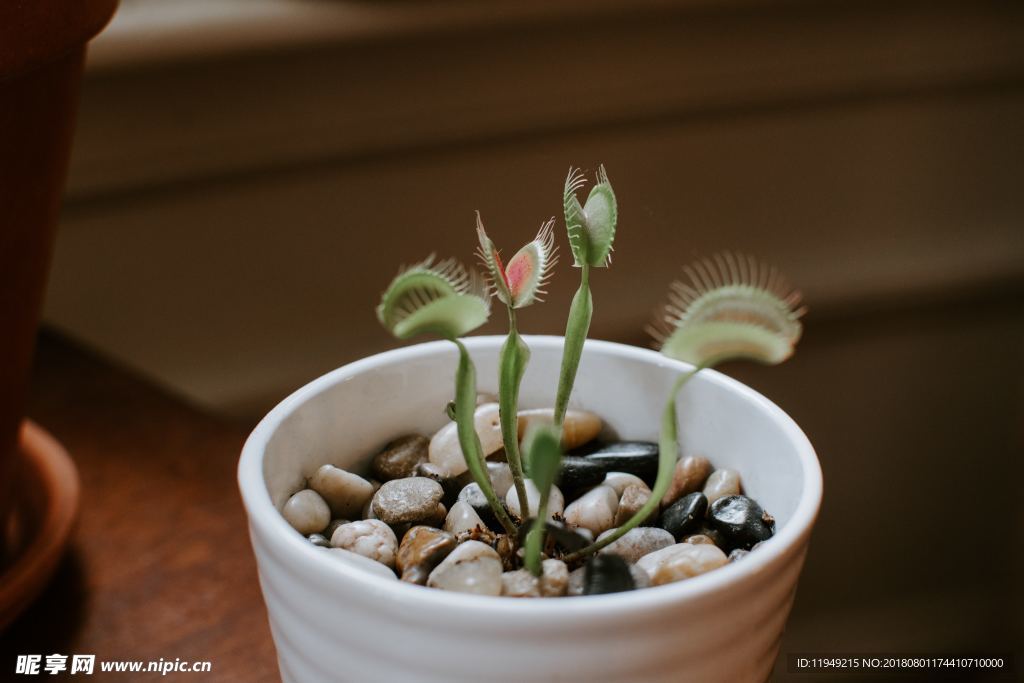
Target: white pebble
{"type": "Point", "coordinates": [370, 538]}
{"type": "Point", "coordinates": [638, 542]}
{"type": "Point", "coordinates": [307, 512]}
{"type": "Point", "coordinates": [364, 563]}
{"type": "Point", "coordinates": [445, 451]}
{"type": "Point", "coordinates": [520, 584]}
{"type": "Point", "coordinates": [578, 428]}
{"type": "Point", "coordinates": [681, 561]}
{"type": "Point", "coordinates": [620, 480]}
{"type": "Point", "coordinates": [575, 583]}
{"type": "Point", "coordinates": [556, 501]}
{"type": "Point", "coordinates": [595, 510]}
{"type": "Point", "coordinates": [720, 484]}
{"type": "Point", "coordinates": [473, 567]}
{"type": "Point", "coordinates": [554, 578]}
{"type": "Point", "coordinates": [345, 493]}
{"type": "Point", "coordinates": [462, 517]}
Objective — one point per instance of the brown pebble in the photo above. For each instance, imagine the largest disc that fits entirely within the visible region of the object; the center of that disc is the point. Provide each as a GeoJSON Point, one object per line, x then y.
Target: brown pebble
{"type": "Point", "coordinates": [699, 539]}
{"type": "Point", "coordinates": [689, 475]}
{"type": "Point", "coordinates": [633, 498]}
{"type": "Point", "coordinates": [400, 457]}
{"type": "Point", "coordinates": [421, 550]}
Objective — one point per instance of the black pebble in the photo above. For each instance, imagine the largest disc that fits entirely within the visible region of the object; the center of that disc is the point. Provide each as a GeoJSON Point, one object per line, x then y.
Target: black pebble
{"type": "Point", "coordinates": [741, 522]}
{"type": "Point", "coordinates": [685, 516]}
{"type": "Point", "coordinates": [607, 573]}
{"type": "Point", "coordinates": [556, 533]}
{"type": "Point", "coordinates": [634, 457]}
{"type": "Point", "coordinates": [579, 473]}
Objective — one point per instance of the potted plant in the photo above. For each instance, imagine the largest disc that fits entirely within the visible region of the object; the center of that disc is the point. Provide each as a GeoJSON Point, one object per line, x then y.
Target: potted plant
{"type": "Point", "coordinates": [710, 608]}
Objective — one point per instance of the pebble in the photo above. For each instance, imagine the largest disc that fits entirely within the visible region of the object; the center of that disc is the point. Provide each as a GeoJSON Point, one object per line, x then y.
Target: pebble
{"type": "Point", "coordinates": [450, 485]}
{"type": "Point", "coordinates": [738, 554]}
{"type": "Point", "coordinates": [579, 473]}
{"type": "Point", "coordinates": [407, 500]}
{"type": "Point", "coordinates": [699, 539]}
{"type": "Point", "coordinates": [722, 483]}
{"type": "Point", "coordinates": [370, 538]}
{"type": "Point", "coordinates": [634, 498]}
{"type": "Point", "coordinates": [607, 574]}
{"type": "Point", "coordinates": [575, 583]}
{"type": "Point", "coordinates": [638, 542]}
{"type": "Point", "coordinates": [361, 562]}
{"type": "Point", "coordinates": [681, 561]}
{"type": "Point", "coordinates": [639, 458]}
{"type": "Point", "coordinates": [520, 584]}
{"type": "Point", "coordinates": [445, 451]}
{"type": "Point", "coordinates": [556, 501]}
{"type": "Point", "coordinates": [578, 428]}
{"type": "Point", "coordinates": [685, 516]}
{"type": "Point", "coordinates": [472, 495]}
{"type": "Point", "coordinates": [499, 473]}
{"type": "Point", "coordinates": [345, 493]}
{"type": "Point", "coordinates": [307, 512]}
{"type": "Point", "coordinates": [740, 521]}
{"type": "Point", "coordinates": [557, 534]}
{"type": "Point", "coordinates": [594, 510]}
{"type": "Point", "coordinates": [421, 550]}
{"type": "Point", "coordinates": [689, 475]}
{"type": "Point", "coordinates": [622, 480]}
{"type": "Point", "coordinates": [640, 577]}
{"type": "Point", "coordinates": [554, 578]}
{"type": "Point", "coordinates": [319, 540]}
{"type": "Point", "coordinates": [473, 567]}
{"type": "Point", "coordinates": [461, 518]}
{"type": "Point", "coordinates": [335, 523]}
{"type": "Point", "coordinates": [400, 458]}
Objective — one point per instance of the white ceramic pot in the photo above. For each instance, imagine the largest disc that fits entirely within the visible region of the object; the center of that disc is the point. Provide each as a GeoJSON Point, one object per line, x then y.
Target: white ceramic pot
{"type": "Point", "coordinates": [332, 621]}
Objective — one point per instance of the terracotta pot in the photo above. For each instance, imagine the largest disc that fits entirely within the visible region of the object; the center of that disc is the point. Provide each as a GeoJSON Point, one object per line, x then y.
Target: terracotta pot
{"type": "Point", "coordinates": [42, 47]}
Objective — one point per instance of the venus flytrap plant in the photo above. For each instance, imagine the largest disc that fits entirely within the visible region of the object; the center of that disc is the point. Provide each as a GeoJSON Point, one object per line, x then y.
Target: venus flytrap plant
{"type": "Point", "coordinates": [591, 229]}
{"type": "Point", "coordinates": [732, 308]}
{"type": "Point", "coordinates": [518, 284]}
{"type": "Point", "coordinates": [446, 300]}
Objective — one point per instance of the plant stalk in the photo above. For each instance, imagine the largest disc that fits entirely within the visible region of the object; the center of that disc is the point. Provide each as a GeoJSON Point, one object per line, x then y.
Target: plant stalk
{"type": "Point", "coordinates": [668, 449]}
{"type": "Point", "coordinates": [515, 354]}
{"type": "Point", "coordinates": [535, 539]}
{"type": "Point", "coordinates": [576, 328]}
{"type": "Point", "coordinates": [469, 441]}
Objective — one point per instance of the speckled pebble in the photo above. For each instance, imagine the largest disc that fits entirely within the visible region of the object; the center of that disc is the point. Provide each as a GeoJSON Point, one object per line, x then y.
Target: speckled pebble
{"type": "Point", "coordinates": [722, 483]}
{"type": "Point", "coordinates": [344, 492]}
{"type": "Point", "coordinates": [360, 562]}
{"type": "Point", "coordinates": [400, 457]}
{"type": "Point", "coordinates": [578, 428]}
{"type": "Point", "coordinates": [634, 498]}
{"type": "Point", "coordinates": [556, 501]}
{"type": "Point", "coordinates": [638, 542]}
{"type": "Point", "coordinates": [407, 500]}
{"type": "Point", "coordinates": [307, 512]}
{"type": "Point", "coordinates": [594, 510]}
{"type": "Point", "coordinates": [520, 584]}
{"type": "Point", "coordinates": [681, 561]}
{"type": "Point", "coordinates": [445, 451]}
{"type": "Point", "coordinates": [473, 567]}
{"type": "Point", "coordinates": [370, 538]}
{"type": "Point", "coordinates": [421, 550]}
{"type": "Point", "coordinates": [688, 476]}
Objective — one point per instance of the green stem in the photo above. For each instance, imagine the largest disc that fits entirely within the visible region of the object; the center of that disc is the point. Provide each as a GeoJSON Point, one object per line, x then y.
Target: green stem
{"type": "Point", "coordinates": [668, 449]}
{"type": "Point", "coordinates": [535, 539]}
{"type": "Point", "coordinates": [465, 407]}
{"type": "Point", "coordinates": [515, 354]}
{"type": "Point", "coordinates": [576, 328]}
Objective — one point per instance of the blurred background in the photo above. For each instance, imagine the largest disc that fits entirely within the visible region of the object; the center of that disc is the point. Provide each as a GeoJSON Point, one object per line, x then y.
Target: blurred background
{"type": "Point", "coordinates": [247, 175]}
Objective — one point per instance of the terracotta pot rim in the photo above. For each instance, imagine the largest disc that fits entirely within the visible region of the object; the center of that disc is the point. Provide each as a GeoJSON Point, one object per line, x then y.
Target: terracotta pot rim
{"type": "Point", "coordinates": [36, 32]}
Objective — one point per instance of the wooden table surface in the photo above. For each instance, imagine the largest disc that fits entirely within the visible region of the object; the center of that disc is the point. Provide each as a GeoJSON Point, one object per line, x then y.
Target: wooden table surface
{"type": "Point", "coordinates": [160, 564]}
